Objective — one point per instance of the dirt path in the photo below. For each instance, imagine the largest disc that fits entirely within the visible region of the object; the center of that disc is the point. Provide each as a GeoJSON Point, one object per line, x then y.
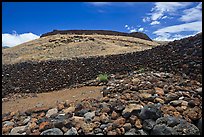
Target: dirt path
{"type": "Point", "coordinates": [50, 99]}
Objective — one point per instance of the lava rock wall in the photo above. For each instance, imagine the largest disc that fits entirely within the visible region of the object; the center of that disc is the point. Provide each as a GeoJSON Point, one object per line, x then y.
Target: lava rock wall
{"type": "Point", "coordinates": [101, 32]}
{"type": "Point", "coordinates": [183, 56]}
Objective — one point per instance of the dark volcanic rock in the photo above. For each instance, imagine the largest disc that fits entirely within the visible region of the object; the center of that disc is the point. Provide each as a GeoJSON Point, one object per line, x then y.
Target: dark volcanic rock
{"type": "Point", "coordinates": [148, 124]}
{"type": "Point", "coordinates": [150, 112]}
{"type": "Point", "coordinates": [40, 76]}
{"type": "Point", "coordinates": [52, 131]}
{"type": "Point", "coordinates": [174, 126]}
{"type": "Point", "coordinates": [131, 109]}
{"type": "Point", "coordinates": [162, 130]}
{"type": "Point", "coordinates": [185, 128]}
{"type": "Point", "coordinates": [169, 121]}
{"type": "Point", "coordinates": [199, 125]}
{"type": "Point", "coordinates": [132, 132]}
{"type": "Point", "coordinates": [102, 32]}
{"type": "Point", "coordinates": [71, 131]}
{"type": "Point", "coordinates": [120, 112]}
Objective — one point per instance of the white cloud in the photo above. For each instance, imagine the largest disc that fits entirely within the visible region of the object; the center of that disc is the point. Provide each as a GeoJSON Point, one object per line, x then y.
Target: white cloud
{"type": "Point", "coordinates": [165, 37]}
{"type": "Point", "coordinates": [99, 3]}
{"type": "Point", "coordinates": [146, 19]}
{"type": "Point", "coordinates": [141, 29]}
{"type": "Point", "coordinates": [154, 22]}
{"type": "Point", "coordinates": [192, 14]}
{"type": "Point", "coordinates": [133, 30]}
{"type": "Point", "coordinates": [194, 26]}
{"type": "Point", "coordinates": [127, 27]}
{"type": "Point", "coordinates": [161, 8]}
{"type": "Point", "coordinates": [172, 32]}
{"type": "Point", "coordinates": [164, 17]}
{"type": "Point", "coordinates": [156, 15]}
{"type": "Point", "coordinates": [173, 37]}
{"type": "Point", "coordinates": [16, 39]}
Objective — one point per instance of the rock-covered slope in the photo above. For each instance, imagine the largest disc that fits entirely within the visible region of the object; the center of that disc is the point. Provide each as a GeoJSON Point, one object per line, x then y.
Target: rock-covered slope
{"type": "Point", "coordinates": [150, 103]}
{"type": "Point", "coordinates": [183, 57]}
{"type": "Point", "coordinates": [153, 92]}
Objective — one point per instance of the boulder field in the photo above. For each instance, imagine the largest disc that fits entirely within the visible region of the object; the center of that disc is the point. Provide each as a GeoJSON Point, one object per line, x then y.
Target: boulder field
{"type": "Point", "coordinates": [182, 57]}
{"type": "Point", "coordinates": [153, 92]}
{"type": "Point", "coordinates": [147, 103]}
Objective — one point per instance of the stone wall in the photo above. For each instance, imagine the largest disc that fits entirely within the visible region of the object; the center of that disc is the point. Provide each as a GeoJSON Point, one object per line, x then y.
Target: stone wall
{"type": "Point", "coordinates": [101, 32]}
{"type": "Point", "coordinates": [184, 56]}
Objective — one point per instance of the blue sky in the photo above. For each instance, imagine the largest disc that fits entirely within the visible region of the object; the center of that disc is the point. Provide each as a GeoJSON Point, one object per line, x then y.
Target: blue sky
{"type": "Point", "coordinates": [24, 21]}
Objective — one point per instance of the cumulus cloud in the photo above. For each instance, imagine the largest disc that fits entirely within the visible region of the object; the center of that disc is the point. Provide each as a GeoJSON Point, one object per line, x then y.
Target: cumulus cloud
{"type": "Point", "coordinates": [192, 14]}
{"type": "Point", "coordinates": [168, 37]}
{"type": "Point", "coordinates": [127, 27]}
{"type": "Point", "coordinates": [146, 19]}
{"type": "Point", "coordinates": [141, 29]}
{"type": "Point", "coordinates": [133, 30]}
{"type": "Point", "coordinates": [154, 23]}
{"type": "Point", "coordinates": [161, 8]}
{"type": "Point", "coordinates": [172, 32]}
{"type": "Point", "coordinates": [193, 26]}
{"type": "Point", "coordinates": [156, 16]}
{"type": "Point", "coordinates": [14, 39]}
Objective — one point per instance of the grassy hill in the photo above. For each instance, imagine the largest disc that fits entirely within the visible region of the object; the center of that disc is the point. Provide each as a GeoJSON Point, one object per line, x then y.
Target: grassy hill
{"type": "Point", "coordinates": [64, 46]}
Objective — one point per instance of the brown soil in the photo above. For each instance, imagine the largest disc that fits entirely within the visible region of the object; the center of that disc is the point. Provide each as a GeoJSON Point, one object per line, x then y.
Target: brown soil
{"type": "Point", "coordinates": [59, 47]}
{"type": "Point", "coordinates": [50, 99]}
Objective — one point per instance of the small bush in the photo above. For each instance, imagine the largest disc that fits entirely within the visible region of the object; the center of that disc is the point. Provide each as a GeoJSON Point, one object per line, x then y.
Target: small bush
{"type": "Point", "coordinates": [102, 77]}
{"type": "Point", "coordinates": [141, 70]}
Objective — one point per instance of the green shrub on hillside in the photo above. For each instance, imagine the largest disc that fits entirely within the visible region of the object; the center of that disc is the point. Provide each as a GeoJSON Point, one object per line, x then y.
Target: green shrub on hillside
{"type": "Point", "coordinates": [141, 70]}
{"type": "Point", "coordinates": [102, 77]}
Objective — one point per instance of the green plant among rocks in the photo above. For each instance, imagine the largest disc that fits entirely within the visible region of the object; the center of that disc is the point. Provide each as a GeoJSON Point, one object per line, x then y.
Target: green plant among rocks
{"type": "Point", "coordinates": [141, 70]}
{"type": "Point", "coordinates": [102, 77]}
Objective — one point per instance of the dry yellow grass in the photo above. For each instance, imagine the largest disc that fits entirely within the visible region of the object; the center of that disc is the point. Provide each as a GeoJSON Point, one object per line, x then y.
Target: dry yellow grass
{"type": "Point", "coordinates": [69, 46]}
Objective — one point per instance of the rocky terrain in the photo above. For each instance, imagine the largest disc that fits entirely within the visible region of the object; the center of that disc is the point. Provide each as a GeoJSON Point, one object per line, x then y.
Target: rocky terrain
{"type": "Point", "coordinates": [152, 92]}
{"type": "Point", "coordinates": [147, 103]}
{"type": "Point", "coordinates": [24, 101]}
{"type": "Point", "coordinates": [183, 57]}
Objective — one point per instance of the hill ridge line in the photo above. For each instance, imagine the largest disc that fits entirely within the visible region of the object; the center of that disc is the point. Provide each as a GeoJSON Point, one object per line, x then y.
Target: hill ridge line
{"type": "Point", "coordinates": [102, 32]}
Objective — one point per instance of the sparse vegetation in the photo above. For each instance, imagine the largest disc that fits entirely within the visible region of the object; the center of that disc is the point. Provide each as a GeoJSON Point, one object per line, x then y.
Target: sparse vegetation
{"type": "Point", "coordinates": [102, 77]}
{"type": "Point", "coordinates": [141, 70]}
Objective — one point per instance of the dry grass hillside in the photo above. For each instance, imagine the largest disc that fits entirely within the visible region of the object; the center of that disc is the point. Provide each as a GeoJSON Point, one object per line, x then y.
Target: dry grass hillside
{"type": "Point", "coordinates": [161, 42]}
{"type": "Point", "coordinates": [71, 45]}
